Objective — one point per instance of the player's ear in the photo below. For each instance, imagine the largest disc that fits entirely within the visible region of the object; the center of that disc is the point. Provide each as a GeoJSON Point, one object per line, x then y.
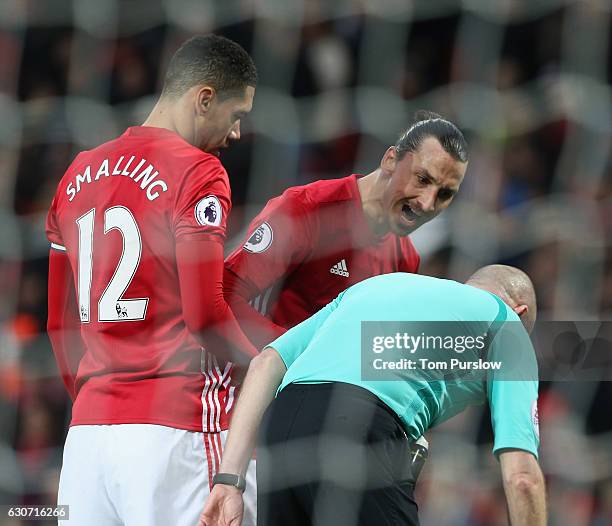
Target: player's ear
{"type": "Point", "coordinates": [204, 98]}
{"type": "Point", "coordinates": [521, 310]}
{"type": "Point", "coordinates": [527, 317]}
{"type": "Point", "coordinates": [389, 160]}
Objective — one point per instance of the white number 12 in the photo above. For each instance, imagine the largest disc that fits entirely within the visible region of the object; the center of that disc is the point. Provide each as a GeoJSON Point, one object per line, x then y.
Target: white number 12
{"type": "Point", "coordinates": [112, 306]}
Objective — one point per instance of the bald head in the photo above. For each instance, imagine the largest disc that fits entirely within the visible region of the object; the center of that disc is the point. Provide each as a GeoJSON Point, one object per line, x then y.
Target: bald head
{"type": "Point", "coordinates": [513, 286]}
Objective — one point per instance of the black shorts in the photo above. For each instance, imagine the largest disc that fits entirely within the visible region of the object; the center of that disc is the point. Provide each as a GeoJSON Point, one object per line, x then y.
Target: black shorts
{"type": "Point", "coordinates": [333, 455]}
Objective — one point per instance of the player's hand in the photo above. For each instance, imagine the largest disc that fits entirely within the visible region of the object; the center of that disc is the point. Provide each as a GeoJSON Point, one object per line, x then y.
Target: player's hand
{"type": "Point", "coordinates": [224, 507]}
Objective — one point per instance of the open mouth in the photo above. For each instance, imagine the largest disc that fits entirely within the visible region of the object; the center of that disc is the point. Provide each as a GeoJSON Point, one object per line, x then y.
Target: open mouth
{"type": "Point", "coordinates": [408, 214]}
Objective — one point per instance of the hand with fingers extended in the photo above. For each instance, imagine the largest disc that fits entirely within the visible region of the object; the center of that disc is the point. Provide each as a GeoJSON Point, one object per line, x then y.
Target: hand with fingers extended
{"type": "Point", "coordinates": [224, 507]}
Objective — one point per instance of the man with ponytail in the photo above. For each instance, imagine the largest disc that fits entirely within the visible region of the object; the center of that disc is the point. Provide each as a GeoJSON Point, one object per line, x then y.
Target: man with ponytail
{"type": "Point", "coordinates": [314, 241]}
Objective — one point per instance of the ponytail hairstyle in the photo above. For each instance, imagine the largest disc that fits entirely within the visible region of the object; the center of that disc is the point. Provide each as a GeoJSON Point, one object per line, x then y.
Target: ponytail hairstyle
{"type": "Point", "coordinates": [430, 124]}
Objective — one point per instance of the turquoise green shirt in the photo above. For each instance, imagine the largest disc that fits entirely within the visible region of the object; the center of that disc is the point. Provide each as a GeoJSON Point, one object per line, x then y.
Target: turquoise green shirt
{"type": "Point", "coordinates": [327, 348]}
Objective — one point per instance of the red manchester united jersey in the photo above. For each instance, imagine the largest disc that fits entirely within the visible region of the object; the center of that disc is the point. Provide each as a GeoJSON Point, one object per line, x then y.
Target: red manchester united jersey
{"type": "Point", "coordinates": [118, 212]}
{"type": "Point", "coordinates": [310, 244]}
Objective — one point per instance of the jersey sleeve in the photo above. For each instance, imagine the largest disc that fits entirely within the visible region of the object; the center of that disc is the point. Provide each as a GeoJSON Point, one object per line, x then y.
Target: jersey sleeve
{"type": "Point", "coordinates": [63, 323]}
{"type": "Point", "coordinates": [206, 313]}
{"type": "Point", "coordinates": [203, 201]}
{"type": "Point", "coordinates": [278, 240]}
{"type": "Point", "coordinates": [513, 391]}
{"type": "Point", "coordinates": [52, 227]}
{"type": "Point", "coordinates": [258, 328]}
{"type": "Point", "coordinates": [295, 341]}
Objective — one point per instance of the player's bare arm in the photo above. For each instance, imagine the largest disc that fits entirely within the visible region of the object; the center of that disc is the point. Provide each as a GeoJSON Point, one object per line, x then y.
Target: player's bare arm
{"type": "Point", "coordinates": [524, 488]}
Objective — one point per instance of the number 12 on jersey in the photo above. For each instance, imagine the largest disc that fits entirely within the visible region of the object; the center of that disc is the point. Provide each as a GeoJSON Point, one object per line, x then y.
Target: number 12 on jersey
{"type": "Point", "coordinates": [111, 306]}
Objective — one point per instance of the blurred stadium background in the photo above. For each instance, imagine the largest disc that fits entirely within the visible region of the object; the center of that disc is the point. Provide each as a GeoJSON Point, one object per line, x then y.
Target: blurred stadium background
{"type": "Point", "coordinates": [529, 83]}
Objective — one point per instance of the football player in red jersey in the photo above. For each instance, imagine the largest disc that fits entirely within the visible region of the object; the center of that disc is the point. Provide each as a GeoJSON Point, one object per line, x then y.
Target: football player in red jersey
{"type": "Point", "coordinates": [137, 229]}
{"type": "Point", "coordinates": [314, 241]}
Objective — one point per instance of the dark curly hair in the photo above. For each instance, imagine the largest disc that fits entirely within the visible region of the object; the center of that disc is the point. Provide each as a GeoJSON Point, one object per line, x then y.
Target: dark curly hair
{"type": "Point", "coordinates": [213, 60]}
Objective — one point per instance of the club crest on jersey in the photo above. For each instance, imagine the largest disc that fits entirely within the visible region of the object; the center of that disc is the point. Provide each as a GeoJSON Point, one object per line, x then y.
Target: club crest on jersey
{"type": "Point", "coordinates": [208, 211]}
{"type": "Point", "coordinates": [260, 240]}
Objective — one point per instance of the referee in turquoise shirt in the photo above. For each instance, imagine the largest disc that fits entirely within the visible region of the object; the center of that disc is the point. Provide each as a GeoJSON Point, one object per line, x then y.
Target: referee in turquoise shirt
{"type": "Point", "coordinates": [335, 445]}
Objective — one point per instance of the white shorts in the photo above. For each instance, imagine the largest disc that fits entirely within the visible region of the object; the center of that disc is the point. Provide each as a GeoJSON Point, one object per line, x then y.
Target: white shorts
{"type": "Point", "coordinates": [142, 474]}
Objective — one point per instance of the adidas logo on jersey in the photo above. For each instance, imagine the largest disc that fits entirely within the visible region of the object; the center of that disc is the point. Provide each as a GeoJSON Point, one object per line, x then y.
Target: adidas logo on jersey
{"type": "Point", "coordinates": [340, 269]}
